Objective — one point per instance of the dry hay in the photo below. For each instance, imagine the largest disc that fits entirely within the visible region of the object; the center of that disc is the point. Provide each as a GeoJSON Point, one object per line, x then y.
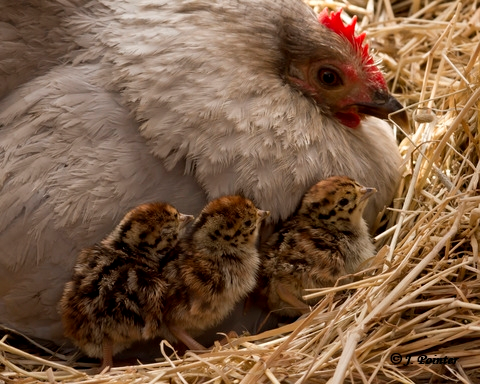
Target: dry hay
{"type": "Point", "coordinates": [420, 298]}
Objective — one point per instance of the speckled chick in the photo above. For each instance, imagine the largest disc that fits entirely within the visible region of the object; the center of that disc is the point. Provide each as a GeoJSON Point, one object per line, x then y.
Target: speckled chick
{"type": "Point", "coordinates": [215, 267]}
{"type": "Point", "coordinates": [325, 239]}
{"type": "Point", "coordinates": [115, 296]}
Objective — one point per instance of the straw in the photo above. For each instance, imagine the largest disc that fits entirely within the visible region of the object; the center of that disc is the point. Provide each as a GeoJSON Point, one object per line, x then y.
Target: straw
{"type": "Point", "coordinates": [420, 298]}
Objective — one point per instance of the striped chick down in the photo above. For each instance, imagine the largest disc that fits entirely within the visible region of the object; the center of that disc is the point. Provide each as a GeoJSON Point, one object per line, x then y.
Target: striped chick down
{"type": "Point", "coordinates": [116, 294]}
{"type": "Point", "coordinates": [325, 239]}
{"type": "Point", "coordinates": [213, 269]}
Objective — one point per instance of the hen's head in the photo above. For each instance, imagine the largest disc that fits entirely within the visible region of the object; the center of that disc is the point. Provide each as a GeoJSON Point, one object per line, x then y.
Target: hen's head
{"type": "Point", "coordinates": [342, 78]}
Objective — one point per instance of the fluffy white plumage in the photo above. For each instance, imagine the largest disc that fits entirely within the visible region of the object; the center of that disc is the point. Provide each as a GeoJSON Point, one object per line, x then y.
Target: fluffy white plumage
{"type": "Point", "coordinates": [122, 102]}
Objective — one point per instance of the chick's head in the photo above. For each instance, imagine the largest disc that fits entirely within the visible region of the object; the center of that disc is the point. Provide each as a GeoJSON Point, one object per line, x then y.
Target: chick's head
{"type": "Point", "coordinates": [337, 201]}
{"type": "Point", "coordinates": [149, 229]}
{"type": "Point", "coordinates": [229, 221]}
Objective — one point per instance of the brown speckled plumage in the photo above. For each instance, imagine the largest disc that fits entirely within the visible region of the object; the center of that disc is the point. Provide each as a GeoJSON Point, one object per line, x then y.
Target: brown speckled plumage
{"type": "Point", "coordinates": [140, 283]}
{"type": "Point", "coordinates": [116, 294]}
{"type": "Point", "coordinates": [215, 267]}
{"type": "Point", "coordinates": [325, 239]}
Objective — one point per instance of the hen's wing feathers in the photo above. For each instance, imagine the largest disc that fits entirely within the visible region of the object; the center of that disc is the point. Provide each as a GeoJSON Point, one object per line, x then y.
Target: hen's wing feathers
{"type": "Point", "coordinates": [35, 37]}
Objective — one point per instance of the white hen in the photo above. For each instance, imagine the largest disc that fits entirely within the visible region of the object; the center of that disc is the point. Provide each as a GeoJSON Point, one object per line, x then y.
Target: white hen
{"type": "Point", "coordinates": [123, 102]}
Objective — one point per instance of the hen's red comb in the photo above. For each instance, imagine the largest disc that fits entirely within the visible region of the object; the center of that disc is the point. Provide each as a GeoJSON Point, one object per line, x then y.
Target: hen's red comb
{"type": "Point", "coordinates": [335, 23]}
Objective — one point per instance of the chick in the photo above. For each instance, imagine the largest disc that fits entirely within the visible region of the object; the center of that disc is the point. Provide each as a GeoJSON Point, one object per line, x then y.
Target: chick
{"type": "Point", "coordinates": [115, 296]}
{"type": "Point", "coordinates": [215, 268]}
{"type": "Point", "coordinates": [325, 239]}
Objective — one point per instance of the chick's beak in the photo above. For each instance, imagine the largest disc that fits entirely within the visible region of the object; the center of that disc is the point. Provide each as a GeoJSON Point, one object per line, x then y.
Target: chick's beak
{"type": "Point", "coordinates": [367, 192]}
{"type": "Point", "coordinates": [382, 106]}
{"type": "Point", "coordinates": [185, 219]}
{"type": "Point", "coordinates": [263, 214]}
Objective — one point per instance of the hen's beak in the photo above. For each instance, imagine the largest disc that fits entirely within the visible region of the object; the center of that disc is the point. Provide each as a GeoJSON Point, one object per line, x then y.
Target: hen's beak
{"type": "Point", "coordinates": [384, 106]}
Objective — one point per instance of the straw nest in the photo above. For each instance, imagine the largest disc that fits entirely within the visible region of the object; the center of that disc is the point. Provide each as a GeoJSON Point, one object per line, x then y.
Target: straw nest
{"type": "Point", "coordinates": [420, 300]}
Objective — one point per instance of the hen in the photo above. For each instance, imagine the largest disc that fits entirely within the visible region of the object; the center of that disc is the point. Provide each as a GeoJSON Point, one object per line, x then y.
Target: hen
{"type": "Point", "coordinates": [120, 102]}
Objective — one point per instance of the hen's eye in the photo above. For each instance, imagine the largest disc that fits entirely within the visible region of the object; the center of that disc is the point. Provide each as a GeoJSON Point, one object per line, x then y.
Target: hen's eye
{"type": "Point", "coordinates": [329, 77]}
{"type": "Point", "coordinates": [343, 202]}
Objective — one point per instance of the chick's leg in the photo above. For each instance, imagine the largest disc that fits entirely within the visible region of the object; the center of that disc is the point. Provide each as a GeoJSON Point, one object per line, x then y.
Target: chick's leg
{"type": "Point", "coordinates": [107, 354]}
{"type": "Point", "coordinates": [230, 335]}
{"type": "Point", "coordinates": [185, 338]}
{"type": "Point", "coordinates": [288, 297]}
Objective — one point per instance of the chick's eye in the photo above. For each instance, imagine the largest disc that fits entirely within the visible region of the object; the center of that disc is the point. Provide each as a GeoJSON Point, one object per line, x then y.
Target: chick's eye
{"type": "Point", "coordinates": [343, 202]}
{"type": "Point", "coordinates": [328, 77]}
